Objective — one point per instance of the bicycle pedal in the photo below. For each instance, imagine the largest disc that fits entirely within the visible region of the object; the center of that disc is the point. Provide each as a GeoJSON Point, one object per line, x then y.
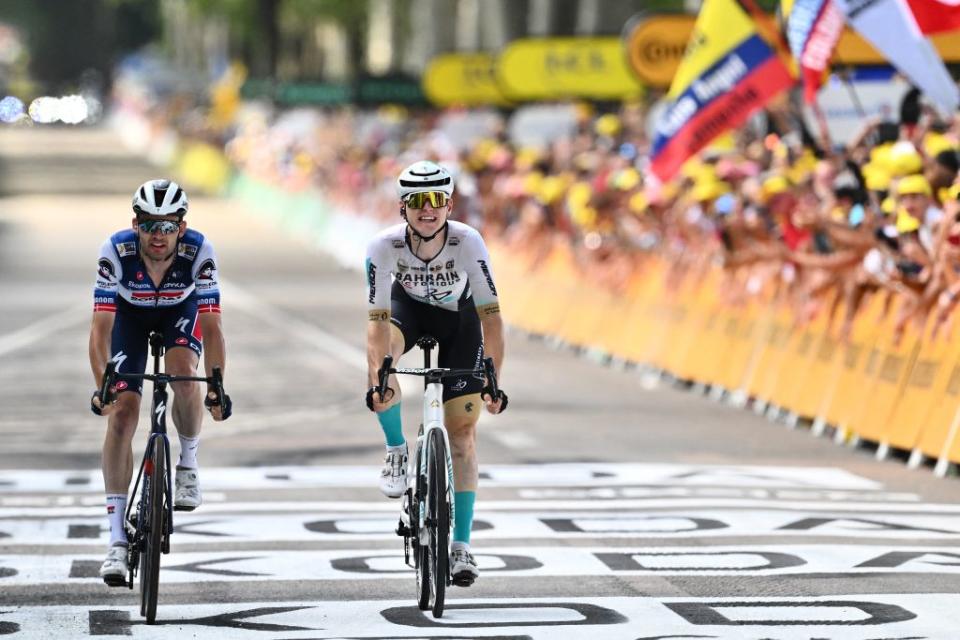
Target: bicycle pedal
{"type": "Point", "coordinates": [403, 530]}
{"type": "Point", "coordinates": [178, 507]}
{"type": "Point", "coordinates": [463, 580]}
{"type": "Point", "coordinates": [115, 581]}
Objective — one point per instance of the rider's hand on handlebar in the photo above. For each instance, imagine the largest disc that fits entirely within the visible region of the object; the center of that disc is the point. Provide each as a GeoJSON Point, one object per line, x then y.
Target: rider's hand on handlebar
{"type": "Point", "coordinates": [97, 406]}
{"type": "Point", "coordinates": [377, 404]}
{"type": "Point", "coordinates": [494, 406]}
{"type": "Point", "coordinates": [218, 411]}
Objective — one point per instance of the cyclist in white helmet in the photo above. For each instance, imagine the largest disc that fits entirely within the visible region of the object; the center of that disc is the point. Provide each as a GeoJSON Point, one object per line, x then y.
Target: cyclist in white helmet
{"type": "Point", "coordinates": [155, 276]}
{"type": "Point", "coordinates": [442, 285]}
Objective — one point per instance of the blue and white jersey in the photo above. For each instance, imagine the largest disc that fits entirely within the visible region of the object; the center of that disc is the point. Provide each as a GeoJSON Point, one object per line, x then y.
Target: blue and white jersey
{"type": "Point", "coordinates": [460, 271]}
{"type": "Point", "coordinates": [122, 274]}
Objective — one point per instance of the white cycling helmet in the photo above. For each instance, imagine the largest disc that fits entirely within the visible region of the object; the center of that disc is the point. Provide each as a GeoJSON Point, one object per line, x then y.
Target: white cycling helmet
{"type": "Point", "coordinates": [160, 198]}
{"type": "Point", "coordinates": [424, 176]}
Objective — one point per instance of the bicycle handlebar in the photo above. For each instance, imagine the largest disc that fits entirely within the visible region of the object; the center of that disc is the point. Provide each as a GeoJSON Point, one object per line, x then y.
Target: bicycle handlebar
{"type": "Point", "coordinates": [386, 369]}
{"type": "Point", "coordinates": [110, 376]}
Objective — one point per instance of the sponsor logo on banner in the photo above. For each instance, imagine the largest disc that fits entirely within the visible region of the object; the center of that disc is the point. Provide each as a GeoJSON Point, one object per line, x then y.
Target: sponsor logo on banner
{"type": "Point", "coordinates": [462, 79]}
{"type": "Point", "coordinates": [655, 45]}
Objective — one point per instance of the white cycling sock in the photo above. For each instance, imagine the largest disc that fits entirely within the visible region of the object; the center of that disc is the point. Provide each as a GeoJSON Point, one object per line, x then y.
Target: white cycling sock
{"type": "Point", "coordinates": [116, 508]}
{"type": "Point", "coordinates": [188, 452]}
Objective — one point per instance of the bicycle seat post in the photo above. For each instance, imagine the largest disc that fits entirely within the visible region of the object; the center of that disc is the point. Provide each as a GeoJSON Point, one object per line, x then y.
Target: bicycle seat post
{"type": "Point", "coordinates": [427, 343]}
{"type": "Point", "coordinates": [156, 349]}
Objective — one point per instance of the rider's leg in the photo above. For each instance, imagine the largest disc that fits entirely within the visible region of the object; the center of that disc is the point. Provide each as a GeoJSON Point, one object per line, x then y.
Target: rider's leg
{"type": "Point", "coordinates": [187, 413]}
{"type": "Point", "coordinates": [117, 461]}
{"type": "Point", "coordinates": [187, 406]}
{"type": "Point", "coordinates": [390, 421]}
{"type": "Point", "coordinates": [460, 418]}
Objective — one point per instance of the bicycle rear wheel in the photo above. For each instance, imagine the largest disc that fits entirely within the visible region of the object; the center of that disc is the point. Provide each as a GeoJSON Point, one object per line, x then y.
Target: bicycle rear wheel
{"type": "Point", "coordinates": [439, 515]}
{"type": "Point", "coordinates": [153, 499]}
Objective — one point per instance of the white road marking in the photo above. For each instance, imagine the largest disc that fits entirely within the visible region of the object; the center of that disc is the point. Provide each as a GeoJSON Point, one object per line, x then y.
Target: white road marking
{"type": "Point", "coordinates": [379, 564]}
{"type": "Point", "coordinates": [220, 506]}
{"type": "Point", "coordinates": [545, 475]}
{"type": "Point", "coordinates": [306, 333]}
{"type": "Point", "coordinates": [860, 617]}
{"type": "Point", "coordinates": [36, 331]}
{"type": "Point", "coordinates": [548, 525]}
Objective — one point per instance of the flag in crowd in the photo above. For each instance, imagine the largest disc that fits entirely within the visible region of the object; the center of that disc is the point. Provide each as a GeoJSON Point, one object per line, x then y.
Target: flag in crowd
{"type": "Point", "coordinates": [813, 30]}
{"type": "Point", "coordinates": [727, 73]}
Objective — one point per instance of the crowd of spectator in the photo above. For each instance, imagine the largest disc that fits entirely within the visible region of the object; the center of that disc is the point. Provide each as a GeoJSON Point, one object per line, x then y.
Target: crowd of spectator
{"type": "Point", "coordinates": [787, 215]}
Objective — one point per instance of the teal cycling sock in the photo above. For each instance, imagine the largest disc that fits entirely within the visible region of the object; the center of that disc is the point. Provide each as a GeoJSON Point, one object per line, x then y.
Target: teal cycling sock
{"type": "Point", "coordinates": [463, 515]}
{"type": "Point", "coordinates": [391, 425]}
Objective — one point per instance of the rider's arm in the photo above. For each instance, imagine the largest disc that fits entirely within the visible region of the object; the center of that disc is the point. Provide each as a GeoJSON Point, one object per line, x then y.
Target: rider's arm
{"type": "Point", "coordinates": [104, 309]}
{"type": "Point", "coordinates": [378, 308]}
{"type": "Point", "coordinates": [484, 291]}
{"type": "Point", "coordinates": [206, 280]}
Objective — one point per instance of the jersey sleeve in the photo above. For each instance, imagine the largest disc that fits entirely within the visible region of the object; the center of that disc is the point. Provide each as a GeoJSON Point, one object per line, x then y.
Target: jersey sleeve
{"type": "Point", "coordinates": [378, 279]}
{"type": "Point", "coordinates": [480, 274]}
{"type": "Point", "coordinates": [108, 279]}
{"type": "Point", "coordinates": [206, 279]}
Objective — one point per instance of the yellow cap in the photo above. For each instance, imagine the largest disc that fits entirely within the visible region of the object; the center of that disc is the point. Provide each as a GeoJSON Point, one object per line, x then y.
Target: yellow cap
{"type": "Point", "coordinates": [626, 179]}
{"type": "Point", "coordinates": [584, 217]}
{"type": "Point", "coordinates": [532, 182]}
{"type": "Point", "coordinates": [876, 177]}
{"type": "Point", "coordinates": [889, 205]}
{"type": "Point", "coordinates": [551, 188]}
{"type": "Point", "coordinates": [607, 125]}
{"type": "Point", "coordinates": [904, 159]}
{"type": "Point", "coordinates": [934, 143]}
{"type": "Point", "coordinates": [638, 202]}
{"type": "Point", "coordinates": [914, 184]}
{"type": "Point", "coordinates": [906, 222]}
{"type": "Point", "coordinates": [579, 195]}
{"type": "Point", "coordinates": [775, 184]}
{"type": "Point", "coordinates": [709, 190]}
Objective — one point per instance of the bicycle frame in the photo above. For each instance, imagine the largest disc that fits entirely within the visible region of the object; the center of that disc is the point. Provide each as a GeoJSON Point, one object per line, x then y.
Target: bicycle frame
{"type": "Point", "coordinates": [432, 419]}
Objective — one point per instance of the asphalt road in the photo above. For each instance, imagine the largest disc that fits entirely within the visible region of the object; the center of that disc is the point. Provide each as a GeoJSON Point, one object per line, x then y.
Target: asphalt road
{"type": "Point", "coordinates": [607, 509]}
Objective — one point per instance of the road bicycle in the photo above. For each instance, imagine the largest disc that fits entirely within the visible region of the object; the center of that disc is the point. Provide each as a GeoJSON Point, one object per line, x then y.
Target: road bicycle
{"type": "Point", "coordinates": [427, 508]}
{"type": "Point", "coordinates": [149, 520]}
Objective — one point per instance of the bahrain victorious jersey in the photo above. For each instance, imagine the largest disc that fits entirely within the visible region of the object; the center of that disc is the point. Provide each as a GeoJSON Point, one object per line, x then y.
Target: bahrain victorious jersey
{"type": "Point", "coordinates": [122, 277]}
{"type": "Point", "coordinates": [460, 271]}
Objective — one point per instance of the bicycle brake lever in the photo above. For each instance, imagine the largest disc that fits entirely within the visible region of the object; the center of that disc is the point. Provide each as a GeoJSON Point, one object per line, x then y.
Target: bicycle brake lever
{"type": "Point", "coordinates": [106, 382]}
{"type": "Point", "coordinates": [383, 376]}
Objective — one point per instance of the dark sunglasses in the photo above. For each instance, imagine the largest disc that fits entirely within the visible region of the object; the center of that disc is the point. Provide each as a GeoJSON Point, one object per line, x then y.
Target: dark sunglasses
{"type": "Point", "coordinates": [420, 200]}
{"type": "Point", "coordinates": [164, 227]}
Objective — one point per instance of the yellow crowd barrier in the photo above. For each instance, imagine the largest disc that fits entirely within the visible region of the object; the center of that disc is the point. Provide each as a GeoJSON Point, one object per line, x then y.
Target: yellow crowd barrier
{"type": "Point", "coordinates": [901, 393]}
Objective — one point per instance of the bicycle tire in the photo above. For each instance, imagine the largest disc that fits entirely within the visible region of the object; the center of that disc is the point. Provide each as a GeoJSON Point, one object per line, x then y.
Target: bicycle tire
{"type": "Point", "coordinates": [421, 552]}
{"type": "Point", "coordinates": [153, 537]}
{"type": "Point", "coordinates": [439, 508]}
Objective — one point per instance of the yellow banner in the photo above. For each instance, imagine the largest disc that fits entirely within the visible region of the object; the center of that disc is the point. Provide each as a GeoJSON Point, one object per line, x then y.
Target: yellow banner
{"type": "Point", "coordinates": [655, 47]}
{"type": "Point", "coordinates": [462, 79]}
{"type": "Point", "coordinates": [555, 68]}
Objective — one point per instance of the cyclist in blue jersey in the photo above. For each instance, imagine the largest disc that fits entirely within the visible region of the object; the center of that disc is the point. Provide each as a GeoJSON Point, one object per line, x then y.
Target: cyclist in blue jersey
{"type": "Point", "coordinates": [156, 276]}
{"type": "Point", "coordinates": [431, 275]}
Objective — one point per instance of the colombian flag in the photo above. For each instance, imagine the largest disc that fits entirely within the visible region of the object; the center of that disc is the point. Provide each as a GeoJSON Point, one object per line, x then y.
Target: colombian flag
{"type": "Point", "coordinates": [728, 72]}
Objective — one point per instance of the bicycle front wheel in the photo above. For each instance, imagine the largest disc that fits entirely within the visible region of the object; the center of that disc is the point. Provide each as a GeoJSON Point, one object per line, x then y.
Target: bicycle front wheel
{"type": "Point", "coordinates": [439, 515]}
{"type": "Point", "coordinates": [153, 498]}
{"type": "Point", "coordinates": [421, 550]}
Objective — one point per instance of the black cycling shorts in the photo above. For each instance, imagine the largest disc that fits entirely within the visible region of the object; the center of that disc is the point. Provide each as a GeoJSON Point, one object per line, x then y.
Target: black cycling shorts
{"type": "Point", "coordinates": [129, 344]}
{"type": "Point", "coordinates": [458, 335]}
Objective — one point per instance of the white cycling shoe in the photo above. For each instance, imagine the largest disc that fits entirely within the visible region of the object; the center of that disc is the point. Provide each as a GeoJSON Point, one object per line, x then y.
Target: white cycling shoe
{"type": "Point", "coordinates": [114, 568]}
{"type": "Point", "coordinates": [186, 495]}
{"type": "Point", "coordinates": [393, 478]}
{"type": "Point", "coordinates": [463, 568]}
